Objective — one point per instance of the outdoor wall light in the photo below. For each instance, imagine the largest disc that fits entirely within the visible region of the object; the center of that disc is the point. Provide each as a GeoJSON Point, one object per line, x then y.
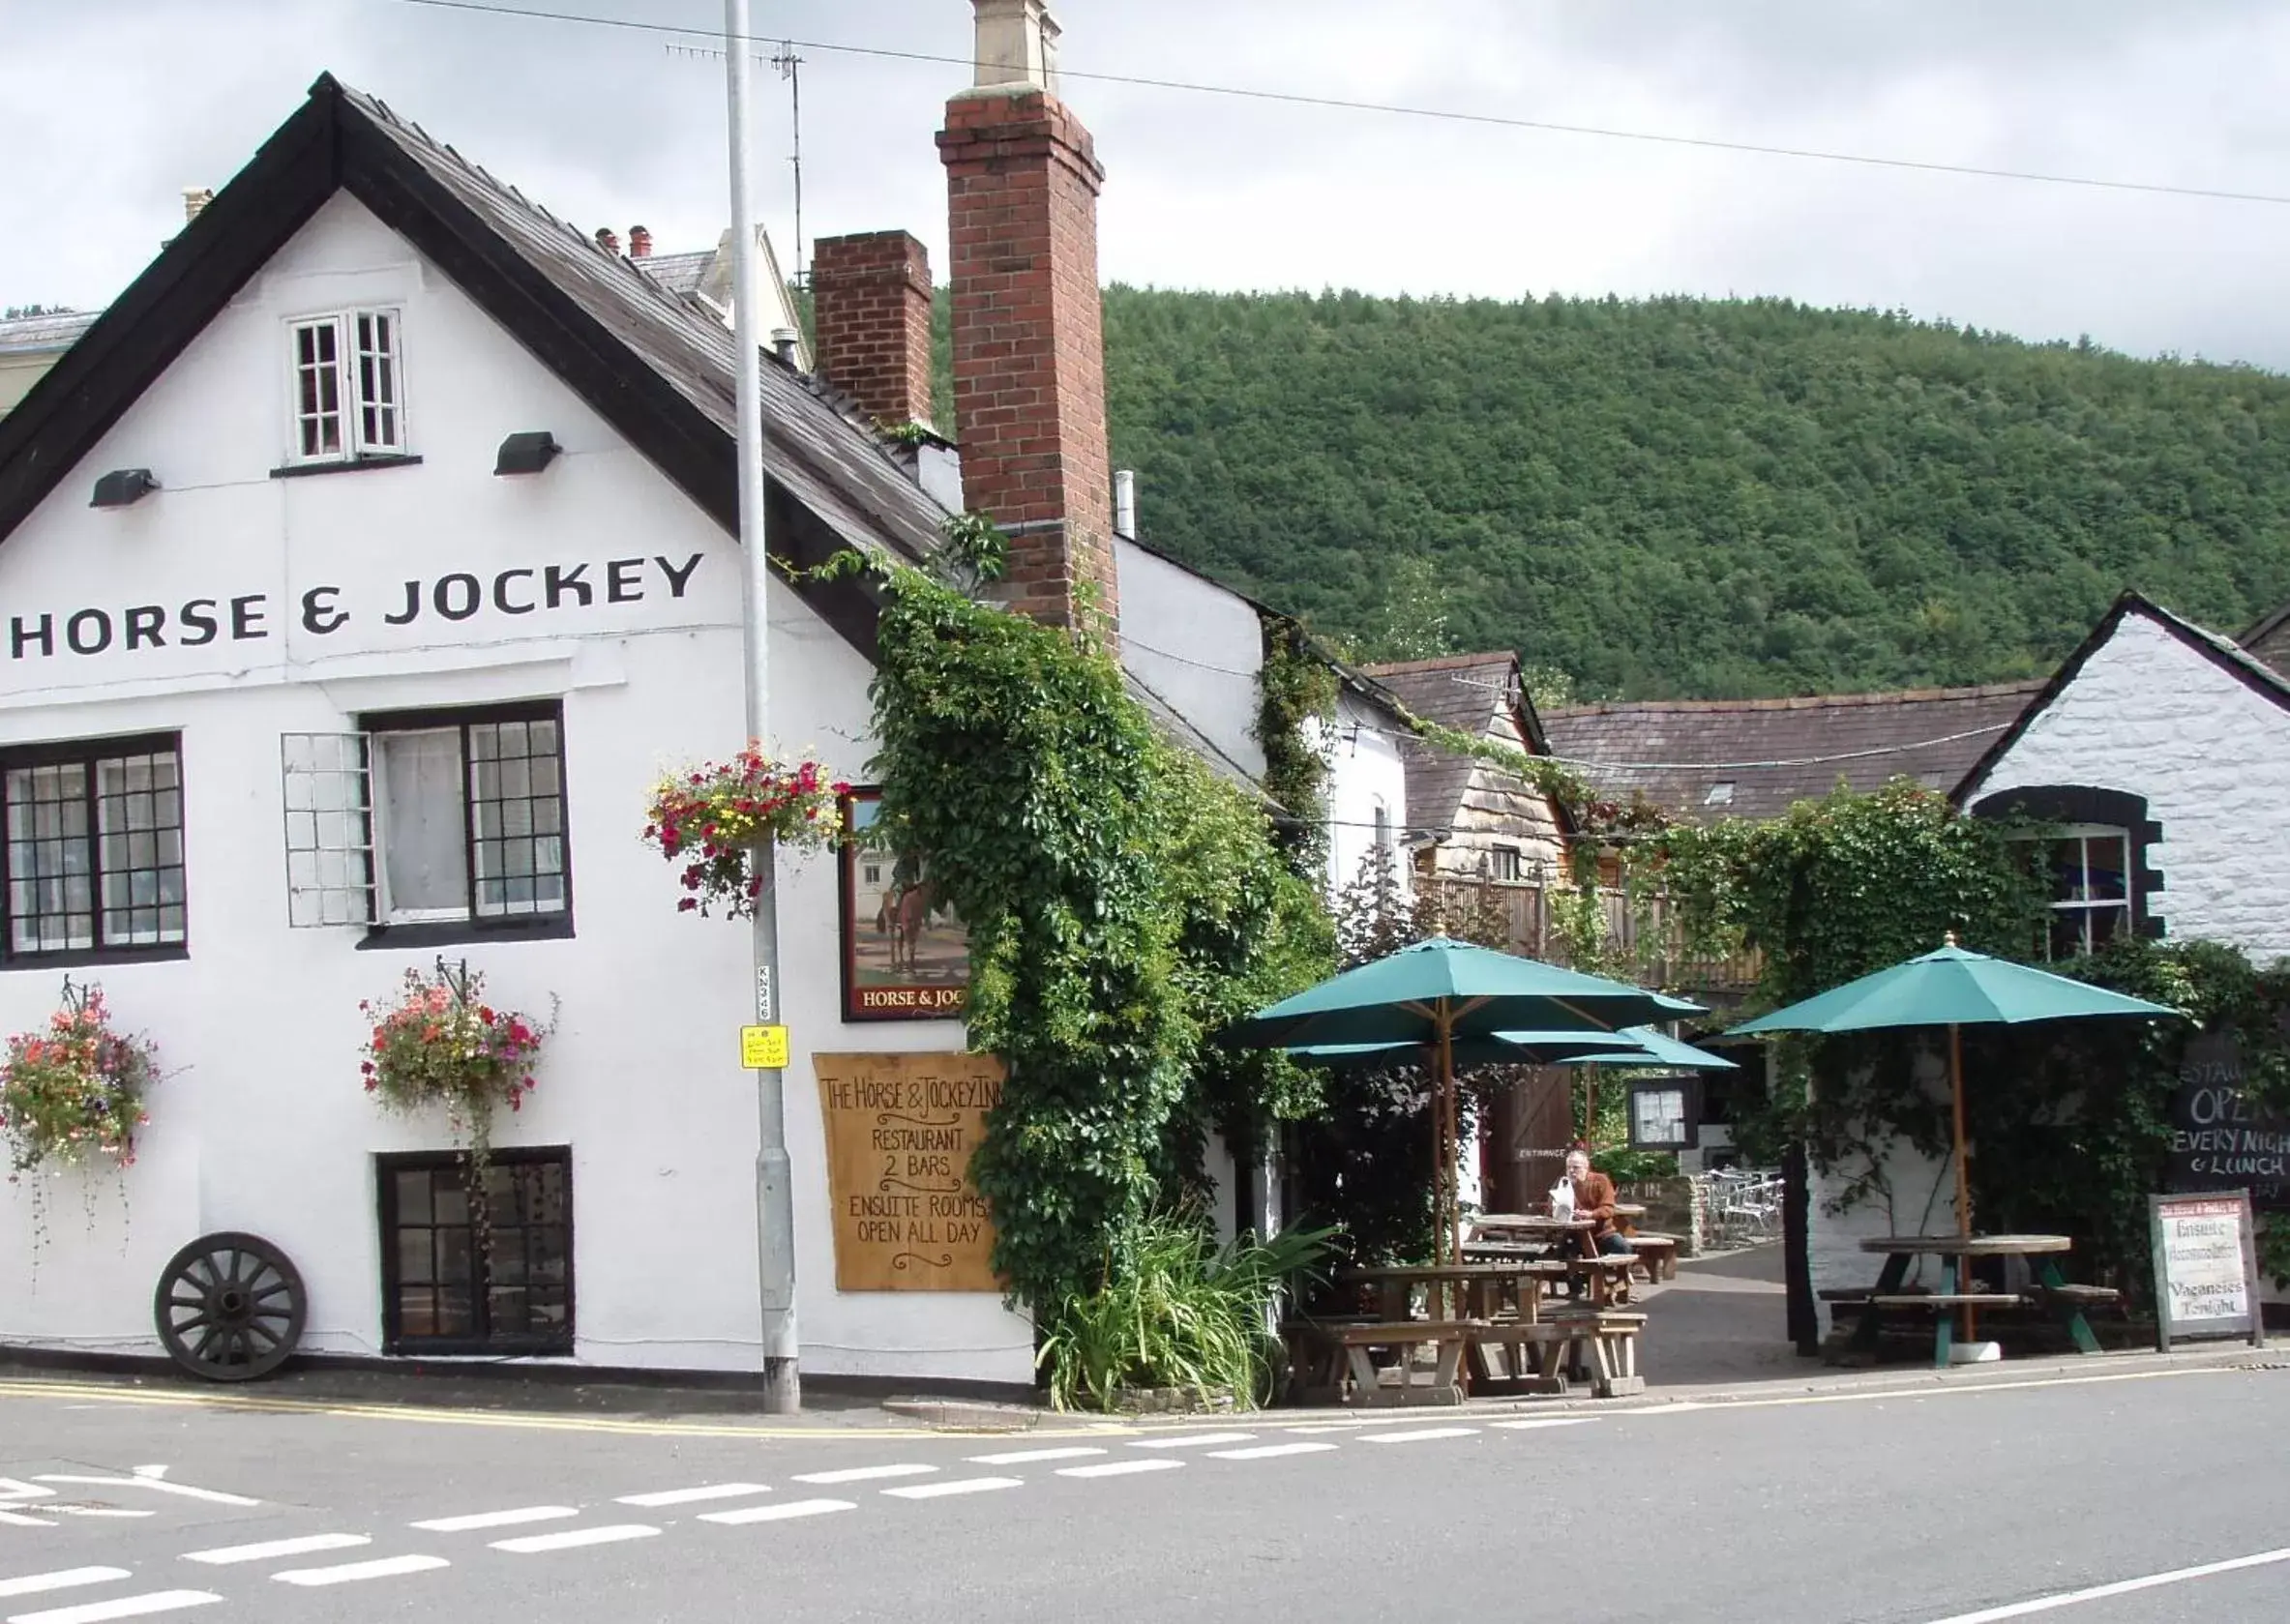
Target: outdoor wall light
{"type": "Point", "coordinates": [527, 452]}
{"type": "Point", "coordinates": [122, 487]}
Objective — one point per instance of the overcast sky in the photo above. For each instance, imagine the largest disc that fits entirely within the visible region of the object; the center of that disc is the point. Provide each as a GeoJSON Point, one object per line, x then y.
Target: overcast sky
{"type": "Point", "coordinates": [109, 107]}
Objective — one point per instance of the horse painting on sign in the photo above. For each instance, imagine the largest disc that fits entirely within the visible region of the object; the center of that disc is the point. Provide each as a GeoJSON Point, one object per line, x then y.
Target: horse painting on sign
{"type": "Point", "coordinates": [904, 955]}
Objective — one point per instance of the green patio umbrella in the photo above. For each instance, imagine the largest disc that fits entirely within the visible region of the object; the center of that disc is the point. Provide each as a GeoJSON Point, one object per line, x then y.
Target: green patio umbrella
{"type": "Point", "coordinates": [1426, 996]}
{"type": "Point", "coordinates": [1954, 989]}
{"type": "Point", "coordinates": [1632, 1047]}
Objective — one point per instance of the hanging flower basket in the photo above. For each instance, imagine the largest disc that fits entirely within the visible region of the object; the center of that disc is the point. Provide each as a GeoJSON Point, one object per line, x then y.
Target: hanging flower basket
{"type": "Point", "coordinates": [714, 818]}
{"type": "Point", "coordinates": [73, 1092]}
{"type": "Point", "coordinates": [440, 1045]}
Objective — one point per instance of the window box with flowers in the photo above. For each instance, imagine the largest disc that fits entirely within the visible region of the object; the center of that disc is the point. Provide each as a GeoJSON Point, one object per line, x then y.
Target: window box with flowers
{"type": "Point", "coordinates": [714, 818]}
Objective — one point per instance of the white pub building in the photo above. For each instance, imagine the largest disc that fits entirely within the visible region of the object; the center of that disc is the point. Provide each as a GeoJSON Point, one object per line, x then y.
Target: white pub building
{"type": "Point", "coordinates": [360, 571]}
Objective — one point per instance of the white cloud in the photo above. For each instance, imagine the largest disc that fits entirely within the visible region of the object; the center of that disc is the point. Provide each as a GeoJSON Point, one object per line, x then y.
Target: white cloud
{"type": "Point", "coordinates": [109, 108]}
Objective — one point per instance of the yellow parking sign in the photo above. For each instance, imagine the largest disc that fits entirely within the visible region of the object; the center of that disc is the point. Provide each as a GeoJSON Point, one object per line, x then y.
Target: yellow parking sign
{"type": "Point", "coordinates": [763, 1048]}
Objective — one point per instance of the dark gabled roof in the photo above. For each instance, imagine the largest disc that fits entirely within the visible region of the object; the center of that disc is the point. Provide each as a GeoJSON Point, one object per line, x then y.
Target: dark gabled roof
{"type": "Point", "coordinates": [2236, 663]}
{"type": "Point", "coordinates": [1774, 752]}
{"type": "Point", "coordinates": [1466, 693]}
{"type": "Point", "coordinates": [2268, 627]}
{"type": "Point", "coordinates": [656, 369]}
{"type": "Point", "coordinates": [48, 334]}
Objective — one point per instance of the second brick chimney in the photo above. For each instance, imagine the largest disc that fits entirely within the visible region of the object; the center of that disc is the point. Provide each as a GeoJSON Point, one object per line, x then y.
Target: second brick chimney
{"type": "Point", "coordinates": [1023, 179]}
{"type": "Point", "coordinates": [870, 322]}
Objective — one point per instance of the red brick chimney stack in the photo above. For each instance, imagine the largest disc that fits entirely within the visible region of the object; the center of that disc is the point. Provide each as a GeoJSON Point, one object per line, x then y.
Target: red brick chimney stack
{"type": "Point", "coordinates": [870, 322]}
{"type": "Point", "coordinates": [639, 243]}
{"type": "Point", "coordinates": [1023, 179]}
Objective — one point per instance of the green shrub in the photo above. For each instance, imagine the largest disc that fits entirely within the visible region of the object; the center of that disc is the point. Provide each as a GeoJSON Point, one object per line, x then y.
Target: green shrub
{"type": "Point", "coordinates": [1175, 1310]}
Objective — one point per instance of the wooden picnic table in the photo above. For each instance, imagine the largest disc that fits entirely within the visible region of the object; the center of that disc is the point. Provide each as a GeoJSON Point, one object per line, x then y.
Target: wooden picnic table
{"type": "Point", "coordinates": [1477, 1288]}
{"type": "Point", "coordinates": [1957, 1252]}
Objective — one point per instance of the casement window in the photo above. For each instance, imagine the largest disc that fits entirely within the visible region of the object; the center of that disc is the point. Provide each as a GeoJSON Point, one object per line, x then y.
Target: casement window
{"type": "Point", "coordinates": [93, 850]}
{"type": "Point", "coordinates": [449, 1287]}
{"type": "Point", "coordinates": [348, 388]}
{"type": "Point", "coordinates": [1505, 863]}
{"type": "Point", "coordinates": [2091, 888]}
{"type": "Point", "coordinates": [440, 825]}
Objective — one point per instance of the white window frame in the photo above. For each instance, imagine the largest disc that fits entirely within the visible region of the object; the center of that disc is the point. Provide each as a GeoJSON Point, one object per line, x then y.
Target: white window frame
{"type": "Point", "coordinates": [2087, 906]}
{"type": "Point", "coordinates": [372, 419]}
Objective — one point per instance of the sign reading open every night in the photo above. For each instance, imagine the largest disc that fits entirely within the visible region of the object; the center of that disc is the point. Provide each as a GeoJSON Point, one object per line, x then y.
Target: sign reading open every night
{"type": "Point", "coordinates": [900, 1131]}
{"type": "Point", "coordinates": [457, 596]}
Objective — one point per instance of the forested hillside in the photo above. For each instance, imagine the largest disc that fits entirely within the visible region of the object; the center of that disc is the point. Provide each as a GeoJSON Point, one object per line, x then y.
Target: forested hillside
{"type": "Point", "coordinates": [1693, 497]}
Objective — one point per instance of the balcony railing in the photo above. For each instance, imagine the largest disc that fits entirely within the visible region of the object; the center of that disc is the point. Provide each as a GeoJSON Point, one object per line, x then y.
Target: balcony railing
{"type": "Point", "coordinates": [1523, 907]}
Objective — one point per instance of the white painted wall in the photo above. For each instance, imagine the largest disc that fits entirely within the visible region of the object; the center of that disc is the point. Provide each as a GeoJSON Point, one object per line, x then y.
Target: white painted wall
{"type": "Point", "coordinates": [2149, 716]}
{"type": "Point", "coordinates": [1912, 1195]}
{"type": "Point", "coordinates": [1196, 645]}
{"type": "Point", "coordinates": [261, 1123]}
{"type": "Point", "coordinates": [1365, 770]}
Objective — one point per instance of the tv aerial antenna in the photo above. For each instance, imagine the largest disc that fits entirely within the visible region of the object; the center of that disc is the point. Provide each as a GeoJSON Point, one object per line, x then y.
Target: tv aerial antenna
{"type": "Point", "coordinates": [791, 69]}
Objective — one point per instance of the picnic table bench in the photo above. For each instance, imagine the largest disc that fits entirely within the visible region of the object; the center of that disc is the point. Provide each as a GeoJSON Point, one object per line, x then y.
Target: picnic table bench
{"type": "Point", "coordinates": [1331, 1361]}
{"type": "Point", "coordinates": [1889, 1297]}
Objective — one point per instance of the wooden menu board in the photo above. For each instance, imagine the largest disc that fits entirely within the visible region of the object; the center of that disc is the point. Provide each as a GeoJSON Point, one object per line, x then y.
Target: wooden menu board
{"type": "Point", "coordinates": [900, 1131]}
{"type": "Point", "coordinates": [2206, 1267]}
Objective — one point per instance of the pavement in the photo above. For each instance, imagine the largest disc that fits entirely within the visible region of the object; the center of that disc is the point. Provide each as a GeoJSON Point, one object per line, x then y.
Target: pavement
{"type": "Point", "coordinates": [2109, 1496]}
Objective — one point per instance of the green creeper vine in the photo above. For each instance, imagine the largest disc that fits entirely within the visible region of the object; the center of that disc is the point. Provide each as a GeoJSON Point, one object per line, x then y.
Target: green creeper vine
{"type": "Point", "coordinates": [1122, 904]}
{"type": "Point", "coordinates": [1297, 695]}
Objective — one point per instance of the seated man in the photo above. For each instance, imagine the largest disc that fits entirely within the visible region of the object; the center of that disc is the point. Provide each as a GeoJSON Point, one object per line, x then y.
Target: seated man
{"type": "Point", "coordinates": [1594, 1199]}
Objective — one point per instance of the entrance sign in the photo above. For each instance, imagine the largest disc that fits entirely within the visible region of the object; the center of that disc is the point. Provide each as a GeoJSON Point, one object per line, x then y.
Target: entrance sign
{"type": "Point", "coordinates": [2206, 1267]}
{"type": "Point", "coordinates": [2218, 1136]}
{"type": "Point", "coordinates": [900, 1131]}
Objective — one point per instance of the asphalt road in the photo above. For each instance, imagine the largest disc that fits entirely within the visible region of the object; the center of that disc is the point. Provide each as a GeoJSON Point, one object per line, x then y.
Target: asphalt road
{"type": "Point", "coordinates": [1845, 1509]}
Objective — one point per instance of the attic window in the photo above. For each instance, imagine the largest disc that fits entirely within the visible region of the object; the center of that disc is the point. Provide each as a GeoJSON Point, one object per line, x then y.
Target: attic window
{"type": "Point", "coordinates": [1721, 795]}
{"type": "Point", "coordinates": [347, 394]}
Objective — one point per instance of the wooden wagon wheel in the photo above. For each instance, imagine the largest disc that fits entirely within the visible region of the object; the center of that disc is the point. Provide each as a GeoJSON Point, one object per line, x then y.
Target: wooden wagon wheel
{"type": "Point", "coordinates": [230, 1307]}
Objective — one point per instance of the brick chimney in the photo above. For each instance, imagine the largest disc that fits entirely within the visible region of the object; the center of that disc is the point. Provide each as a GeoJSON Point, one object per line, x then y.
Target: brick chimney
{"type": "Point", "coordinates": [609, 240]}
{"type": "Point", "coordinates": [870, 322]}
{"type": "Point", "coordinates": [639, 243]}
{"type": "Point", "coordinates": [1022, 178]}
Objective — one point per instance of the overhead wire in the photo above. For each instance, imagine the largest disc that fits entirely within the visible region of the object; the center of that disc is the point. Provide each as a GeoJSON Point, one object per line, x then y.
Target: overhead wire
{"type": "Point", "coordinates": [1341, 104]}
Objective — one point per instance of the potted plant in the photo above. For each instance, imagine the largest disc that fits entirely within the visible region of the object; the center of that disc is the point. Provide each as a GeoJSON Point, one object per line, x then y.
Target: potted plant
{"type": "Point", "coordinates": [73, 1091]}
{"type": "Point", "coordinates": [714, 818]}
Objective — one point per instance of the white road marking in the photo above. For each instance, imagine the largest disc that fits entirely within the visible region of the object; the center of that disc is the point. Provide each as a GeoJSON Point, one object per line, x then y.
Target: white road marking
{"type": "Point", "coordinates": [1192, 1440]}
{"type": "Point", "coordinates": [864, 1474]}
{"type": "Point", "coordinates": [1547, 1421]}
{"type": "Point", "coordinates": [1266, 1451]}
{"type": "Point", "coordinates": [127, 1607]}
{"type": "Point", "coordinates": [63, 1578]}
{"type": "Point", "coordinates": [572, 1538]}
{"type": "Point", "coordinates": [1027, 1456]}
{"type": "Point", "coordinates": [352, 1573]}
{"type": "Point", "coordinates": [148, 1477]}
{"type": "Point", "coordinates": [2123, 1587]}
{"type": "Point", "coordinates": [495, 1519]}
{"type": "Point", "coordinates": [1120, 1469]}
{"type": "Point", "coordinates": [689, 1496]}
{"type": "Point", "coordinates": [960, 1486]}
{"type": "Point", "coordinates": [783, 1512]}
{"type": "Point", "coordinates": [304, 1546]}
{"type": "Point", "coordinates": [1422, 1435]}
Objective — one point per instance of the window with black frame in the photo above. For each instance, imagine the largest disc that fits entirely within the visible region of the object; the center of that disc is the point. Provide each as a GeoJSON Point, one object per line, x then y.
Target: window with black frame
{"type": "Point", "coordinates": [93, 850]}
{"type": "Point", "coordinates": [436, 826]}
{"type": "Point", "coordinates": [450, 1285]}
{"type": "Point", "coordinates": [2089, 868]}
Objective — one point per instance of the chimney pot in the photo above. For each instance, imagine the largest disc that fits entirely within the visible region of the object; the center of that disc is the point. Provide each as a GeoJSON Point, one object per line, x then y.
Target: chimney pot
{"type": "Point", "coordinates": [639, 243]}
{"type": "Point", "coordinates": [196, 198]}
{"type": "Point", "coordinates": [786, 342]}
{"type": "Point", "coordinates": [1125, 505]}
{"type": "Point", "coordinates": [1017, 45]}
{"type": "Point", "coordinates": [609, 240]}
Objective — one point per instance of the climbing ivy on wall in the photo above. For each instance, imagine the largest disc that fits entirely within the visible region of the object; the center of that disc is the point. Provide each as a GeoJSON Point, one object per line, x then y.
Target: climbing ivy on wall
{"type": "Point", "coordinates": [1122, 904]}
{"type": "Point", "coordinates": [1297, 707]}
